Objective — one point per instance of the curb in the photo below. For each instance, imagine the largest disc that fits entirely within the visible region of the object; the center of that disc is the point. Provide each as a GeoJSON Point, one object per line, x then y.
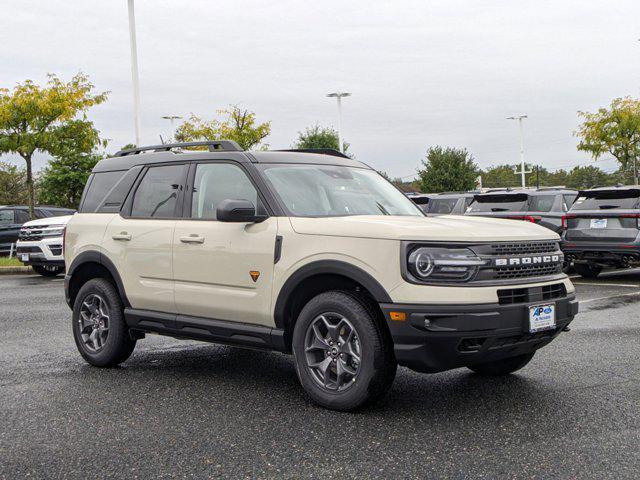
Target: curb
{"type": "Point", "coordinates": [14, 270]}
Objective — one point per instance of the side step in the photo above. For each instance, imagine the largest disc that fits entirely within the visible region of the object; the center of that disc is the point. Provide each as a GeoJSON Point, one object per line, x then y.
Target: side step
{"type": "Point", "coordinates": [206, 329]}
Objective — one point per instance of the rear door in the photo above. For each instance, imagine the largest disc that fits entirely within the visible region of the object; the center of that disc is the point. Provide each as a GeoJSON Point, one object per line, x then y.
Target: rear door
{"type": "Point", "coordinates": [140, 239]}
{"type": "Point", "coordinates": [8, 228]}
{"type": "Point", "coordinates": [223, 270]}
{"type": "Point", "coordinates": [604, 216]}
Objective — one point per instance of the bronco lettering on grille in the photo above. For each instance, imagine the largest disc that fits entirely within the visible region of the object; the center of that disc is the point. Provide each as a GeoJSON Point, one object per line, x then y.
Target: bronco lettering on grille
{"type": "Point", "coordinates": [503, 262]}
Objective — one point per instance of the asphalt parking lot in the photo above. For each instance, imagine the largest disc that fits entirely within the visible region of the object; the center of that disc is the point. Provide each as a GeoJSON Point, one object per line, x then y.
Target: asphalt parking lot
{"type": "Point", "coordinates": [188, 409]}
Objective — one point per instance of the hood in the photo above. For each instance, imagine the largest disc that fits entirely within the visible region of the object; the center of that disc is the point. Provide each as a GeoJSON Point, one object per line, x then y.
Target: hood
{"type": "Point", "coordinates": [453, 228]}
{"type": "Point", "coordinates": [61, 220]}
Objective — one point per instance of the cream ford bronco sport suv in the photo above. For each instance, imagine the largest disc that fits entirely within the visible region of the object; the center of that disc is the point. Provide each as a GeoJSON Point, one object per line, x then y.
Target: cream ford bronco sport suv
{"type": "Point", "coordinates": [304, 253]}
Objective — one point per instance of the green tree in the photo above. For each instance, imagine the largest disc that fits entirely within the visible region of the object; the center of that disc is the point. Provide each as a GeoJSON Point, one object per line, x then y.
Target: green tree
{"type": "Point", "coordinates": [447, 169]}
{"type": "Point", "coordinates": [51, 119]}
{"type": "Point", "coordinates": [588, 177]}
{"type": "Point", "coordinates": [316, 137]}
{"type": "Point", "coordinates": [238, 125]}
{"type": "Point", "coordinates": [63, 180]}
{"type": "Point", "coordinates": [614, 130]}
{"type": "Point", "coordinates": [500, 176]}
{"type": "Point", "coordinates": [13, 185]}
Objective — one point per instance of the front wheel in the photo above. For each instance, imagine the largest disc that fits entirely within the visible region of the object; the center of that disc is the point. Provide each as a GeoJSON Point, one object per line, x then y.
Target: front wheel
{"type": "Point", "coordinates": [47, 270]}
{"type": "Point", "coordinates": [99, 329]}
{"type": "Point", "coordinates": [502, 367]}
{"type": "Point", "coordinates": [587, 270]}
{"type": "Point", "coordinates": [343, 357]}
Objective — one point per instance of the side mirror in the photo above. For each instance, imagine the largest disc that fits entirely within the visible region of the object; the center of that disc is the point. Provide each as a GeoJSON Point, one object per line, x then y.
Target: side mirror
{"type": "Point", "coordinates": [238, 210]}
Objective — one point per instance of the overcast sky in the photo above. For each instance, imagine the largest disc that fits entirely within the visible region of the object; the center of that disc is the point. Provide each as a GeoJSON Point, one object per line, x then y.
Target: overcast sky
{"type": "Point", "coordinates": [421, 72]}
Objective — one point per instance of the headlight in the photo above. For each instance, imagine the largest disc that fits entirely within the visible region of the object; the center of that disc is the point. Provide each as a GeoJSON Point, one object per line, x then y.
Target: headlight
{"type": "Point", "coordinates": [443, 264]}
{"type": "Point", "coordinates": [54, 233]}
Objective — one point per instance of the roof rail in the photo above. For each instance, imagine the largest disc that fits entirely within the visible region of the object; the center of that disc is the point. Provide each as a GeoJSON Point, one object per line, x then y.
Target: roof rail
{"type": "Point", "coordinates": [214, 146]}
{"type": "Point", "coordinates": [323, 151]}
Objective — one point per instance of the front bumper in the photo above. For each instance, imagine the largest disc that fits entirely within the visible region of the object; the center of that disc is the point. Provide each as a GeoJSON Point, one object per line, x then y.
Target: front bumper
{"type": "Point", "coordinates": [47, 252]}
{"type": "Point", "coordinates": [463, 335]}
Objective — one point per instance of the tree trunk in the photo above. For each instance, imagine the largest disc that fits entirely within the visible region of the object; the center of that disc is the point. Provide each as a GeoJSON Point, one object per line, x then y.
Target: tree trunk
{"type": "Point", "coordinates": [32, 193]}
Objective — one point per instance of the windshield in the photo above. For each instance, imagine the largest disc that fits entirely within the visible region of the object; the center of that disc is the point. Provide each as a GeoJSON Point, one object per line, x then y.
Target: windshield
{"type": "Point", "coordinates": [442, 205]}
{"type": "Point", "coordinates": [516, 202]}
{"type": "Point", "coordinates": [328, 191]}
{"type": "Point", "coordinates": [607, 200]}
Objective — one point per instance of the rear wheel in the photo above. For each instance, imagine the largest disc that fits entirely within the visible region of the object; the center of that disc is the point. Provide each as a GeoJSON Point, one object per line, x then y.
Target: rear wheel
{"type": "Point", "coordinates": [587, 270]}
{"type": "Point", "coordinates": [502, 367]}
{"type": "Point", "coordinates": [47, 270]}
{"type": "Point", "coordinates": [99, 329]}
{"type": "Point", "coordinates": [343, 357]}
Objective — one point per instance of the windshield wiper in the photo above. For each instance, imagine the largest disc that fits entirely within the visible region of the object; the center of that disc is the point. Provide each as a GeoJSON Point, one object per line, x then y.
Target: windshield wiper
{"type": "Point", "coordinates": [607, 207]}
{"type": "Point", "coordinates": [382, 209]}
{"type": "Point", "coordinates": [498, 209]}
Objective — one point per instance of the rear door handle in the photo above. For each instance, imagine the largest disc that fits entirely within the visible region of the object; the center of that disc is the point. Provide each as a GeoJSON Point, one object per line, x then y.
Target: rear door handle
{"type": "Point", "coordinates": [121, 236]}
{"type": "Point", "coordinates": [193, 238]}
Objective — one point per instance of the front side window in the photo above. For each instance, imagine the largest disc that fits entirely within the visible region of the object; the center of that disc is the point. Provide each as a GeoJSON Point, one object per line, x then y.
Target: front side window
{"type": "Point", "coordinates": [22, 216]}
{"type": "Point", "coordinates": [6, 218]}
{"type": "Point", "coordinates": [157, 194]}
{"type": "Point", "coordinates": [215, 182]}
{"type": "Point", "coordinates": [327, 191]}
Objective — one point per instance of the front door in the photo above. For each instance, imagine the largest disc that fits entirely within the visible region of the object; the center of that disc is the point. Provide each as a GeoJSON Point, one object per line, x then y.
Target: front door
{"type": "Point", "coordinates": [222, 270]}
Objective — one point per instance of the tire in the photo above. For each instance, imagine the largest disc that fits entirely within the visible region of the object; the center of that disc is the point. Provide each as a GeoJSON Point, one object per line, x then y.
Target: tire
{"type": "Point", "coordinates": [47, 271]}
{"type": "Point", "coordinates": [587, 270]}
{"type": "Point", "coordinates": [108, 348]}
{"type": "Point", "coordinates": [502, 367]}
{"type": "Point", "coordinates": [376, 368]}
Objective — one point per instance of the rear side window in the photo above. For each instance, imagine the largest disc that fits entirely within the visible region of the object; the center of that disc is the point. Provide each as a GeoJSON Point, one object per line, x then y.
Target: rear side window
{"type": "Point", "coordinates": [442, 205]}
{"type": "Point", "coordinates": [541, 203]}
{"type": "Point", "coordinates": [100, 184]}
{"type": "Point", "coordinates": [157, 193]}
{"type": "Point", "coordinates": [6, 217]}
{"type": "Point", "coordinates": [607, 200]}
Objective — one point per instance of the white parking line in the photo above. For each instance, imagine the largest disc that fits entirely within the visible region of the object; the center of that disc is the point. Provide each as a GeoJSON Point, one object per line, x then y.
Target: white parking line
{"type": "Point", "coordinates": [610, 296]}
{"type": "Point", "coordinates": [628, 285]}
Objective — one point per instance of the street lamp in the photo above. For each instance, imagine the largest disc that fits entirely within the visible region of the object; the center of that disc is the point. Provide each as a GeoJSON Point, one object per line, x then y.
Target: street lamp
{"type": "Point", "coordinates": [338, 96]}
{"type": "Point", "coordinates": [522, 171]}
{"type": "Point", "coordinates": [172, 119]}
{"type": "Point", "coordinates": [134, 71]}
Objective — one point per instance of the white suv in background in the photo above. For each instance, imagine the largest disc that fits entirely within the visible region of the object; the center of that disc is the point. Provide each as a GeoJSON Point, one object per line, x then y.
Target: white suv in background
{"type": "Point", "coordinates": [40, 245]}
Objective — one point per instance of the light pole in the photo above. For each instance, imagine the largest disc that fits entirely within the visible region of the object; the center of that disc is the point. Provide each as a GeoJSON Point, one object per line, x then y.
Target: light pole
{"type": "Point", "coordinates": [522, 171]}
{"type": "Point", "coordinates": [134, 71]}
{"type": "Point", "coordinates": [172, 118]}
{"type": "Point", "coordinates": [338, 96]}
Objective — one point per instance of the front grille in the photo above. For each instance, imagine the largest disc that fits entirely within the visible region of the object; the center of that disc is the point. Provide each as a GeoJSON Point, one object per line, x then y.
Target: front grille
{"type": "Point", "coordinates": [513, 261]}
{"type": "Point", "coordinates": [523, 248]}
{"type": "Point", "coordinates": [36, 233]}
{"type": "Point", "coordinates": [524, 271]}
{"type": "Point", "coordinates": [510, 296]}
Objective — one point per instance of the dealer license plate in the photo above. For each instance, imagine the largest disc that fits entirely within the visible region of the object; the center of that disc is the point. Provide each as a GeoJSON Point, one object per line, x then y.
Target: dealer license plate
{"type": "Point", "coordinates": [542, 317]}
{"type": "Point", "coordinates": [598, 223]}
{"type": "Point", "coordinates": [25, 257]}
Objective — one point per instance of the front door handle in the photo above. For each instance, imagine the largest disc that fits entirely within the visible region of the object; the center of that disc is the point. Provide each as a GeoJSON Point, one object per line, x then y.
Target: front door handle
{"type": "Point", "coordinates": [193, 238]}
{"type": "Point", "coordinates": [121, 236]}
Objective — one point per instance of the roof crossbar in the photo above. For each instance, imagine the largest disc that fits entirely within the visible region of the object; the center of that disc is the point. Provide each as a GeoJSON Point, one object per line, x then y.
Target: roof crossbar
{"type": "Point", "coordinates": [213, 145]}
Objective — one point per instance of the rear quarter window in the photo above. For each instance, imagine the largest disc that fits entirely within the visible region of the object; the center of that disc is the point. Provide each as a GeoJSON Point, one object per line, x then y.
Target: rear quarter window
{"type": "Point", "coordinates": [98, 186]}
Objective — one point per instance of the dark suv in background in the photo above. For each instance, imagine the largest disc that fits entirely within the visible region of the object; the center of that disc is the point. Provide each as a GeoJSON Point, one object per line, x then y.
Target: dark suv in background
{"type": "Point", "coordinates": [544, 206]}
{"type": "Point", "coordinates": [450, 203]}
{"type": "Point", "coordinates": [602, 229]}
{"type": "Point", "coordinates": [12, 217]}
